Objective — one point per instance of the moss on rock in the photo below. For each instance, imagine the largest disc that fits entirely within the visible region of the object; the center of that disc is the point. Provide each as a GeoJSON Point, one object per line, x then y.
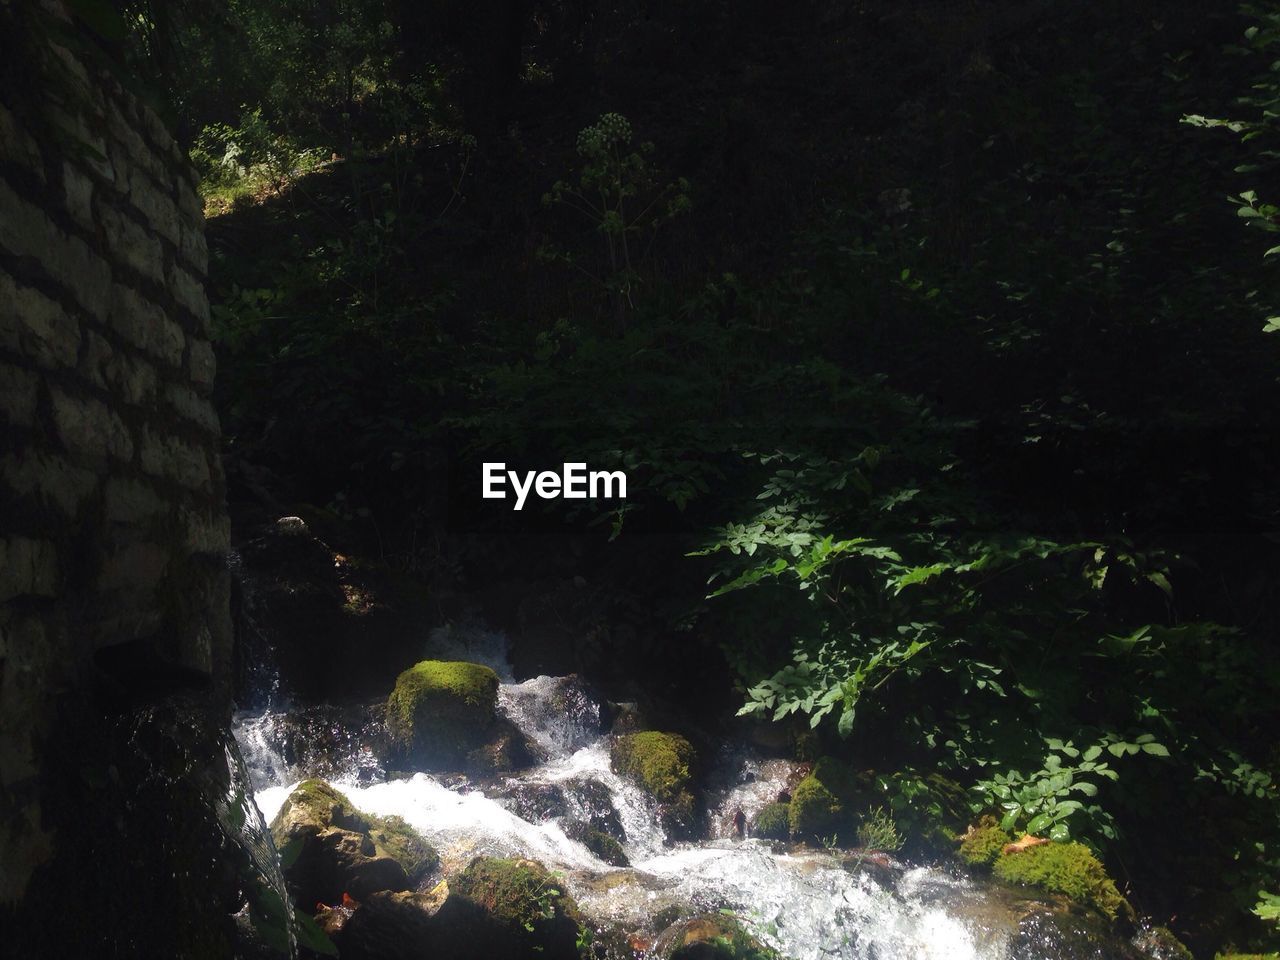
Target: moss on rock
{"type": "Point", "coordinates": [441, 710]}
{"type": "Point", "coordinates": [329, 844]}
{"type": "Point", "coordinates": [394, 838]}
{"type": "Point", "coordinates": [526, 906]}
{"type": "Point", "coordinates": [313, 806]}
{"type": "Point", "coordinates": [711, 937]}
{"type": "Point", "coordinates": [773, 822]}
{"type": "Point", "coordinates": [981, 845]}
{"type": "Point", "coordinates": [1067, 868]}
{"type": "Point", "coordinates": [821, 804]}
{"type": "Point", "coordinates": [661, 763]}
{"type": "Point", "coordinates": [598, 842]}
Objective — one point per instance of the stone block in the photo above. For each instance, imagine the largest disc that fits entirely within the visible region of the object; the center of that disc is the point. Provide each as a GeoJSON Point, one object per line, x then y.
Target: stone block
{"type": "Point", "coordinates": [131, 501]}
{"type": "Point", "coordinates": [169, 457]}
{"type": "Point", "coordinates": [18, 147]}
{"type": "Point", "coordinates": [189, 292]}
{"type": "Point", "coordinates": [87, 426]}
{"type": "Point", "coordinates": [201, 363]}
{"type": "Point", "coordinates": [154, 203]}
{"type": "Point", "coordinates": [27, 568]}
{"type": "Point", "coordinates": [133, 568]}
{"type": "Point", "coordinates": [128, 377]}
{"type": "Point", "coordinates": [36, 326]}
{"type": "Point", "coordinates": [131, 244]}
{"type": "Point", "coordinates": [146, 326]}
{"type": "Point", "coordinates": [17, 395]}
{"type": "Point", "coordinates": [77, 193]}
{"type": "Point", "coordinates": [191, 406]}
{"type": "Point", "coordinates": [49, 478]}
{"type": "Point", "coordinates": [206, 532]}
{"type": "Point", "coordinates": [195, 249]}
{"type": "Point", "coordinates": [26, 231]}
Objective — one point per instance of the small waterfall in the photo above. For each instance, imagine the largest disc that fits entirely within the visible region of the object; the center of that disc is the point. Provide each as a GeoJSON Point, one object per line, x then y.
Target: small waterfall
{"type": "Point", "coordinates": [808, 904]}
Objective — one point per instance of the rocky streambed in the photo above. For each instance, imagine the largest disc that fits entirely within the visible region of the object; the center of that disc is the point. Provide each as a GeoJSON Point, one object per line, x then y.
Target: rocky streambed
{"type": "Point", "coordinates": [471, 814]}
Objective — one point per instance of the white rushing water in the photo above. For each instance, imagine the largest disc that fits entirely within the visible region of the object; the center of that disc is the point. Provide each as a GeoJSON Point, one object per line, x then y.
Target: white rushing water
{"type": "Point", "coordinates": [803, 903]}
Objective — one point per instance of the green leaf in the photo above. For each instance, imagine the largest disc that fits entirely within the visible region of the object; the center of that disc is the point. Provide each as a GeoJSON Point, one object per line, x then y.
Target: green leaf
{"type": "Point", "coordinates": [1036, 824]}
{"type": "Point", "coordinates": [1155, 749]}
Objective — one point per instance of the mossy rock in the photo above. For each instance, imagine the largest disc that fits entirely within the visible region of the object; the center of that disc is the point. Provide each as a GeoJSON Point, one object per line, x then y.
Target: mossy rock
{"type": "Point", "coordinates": [330, 848]}
{"type": "Point", "coordinates": [659, 762]}
{"type": "Point", "coordinates": [662, 764]}
{"type": "Point", "coordinates": [1067, 868]}
{"type": "Point", "coordinates": [1160, 943]}
{"type": "Point", "coordinates": [981, 845]}
{"type": "Point", "coordinates": [526, 911]}
{"type": "Point", "coordinates": [313, 806]}
{"type": "Point", "coordinates": [394, 838]}
{"type": "Point", "coordinates": [773, 822]}
{"type": "Point", "coordinates": [598, 842]}
{"type": "Point", "coordinates": [822, 804]}
{"type": "Point", "coordinates": [440, 711]}
{"type": "Point", "coordinates": [712, 936]}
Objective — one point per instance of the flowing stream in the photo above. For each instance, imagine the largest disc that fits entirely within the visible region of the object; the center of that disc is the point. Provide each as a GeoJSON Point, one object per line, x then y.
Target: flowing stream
{"type": "Point", "coordinates": [804, 903]}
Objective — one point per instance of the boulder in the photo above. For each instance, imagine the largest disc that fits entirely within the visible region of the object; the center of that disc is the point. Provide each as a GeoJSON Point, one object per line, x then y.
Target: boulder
{"type": "Point", "coordinates": [534, 802]}
{"type": "Point", "coordinates": [590, 801]}
{"type": "Point", "coordinates": [1070, 869]}
{"type": "Point", "coordinates": [773, 822]}
{"type": "Point", "coordinates": [328, 848]}
{"type": "Point", "coordinates": [440, 711]}
{"type": "Point", "coordinates": [494, 908]}
{"type": "Point", "coordinates": [712, 936]}
{"type": "Point", "coordinates": [661, 763]}
{"type": "Point", "coordinates": [598, 842]}
{"type": "Point", "coordinates": [823, 803]}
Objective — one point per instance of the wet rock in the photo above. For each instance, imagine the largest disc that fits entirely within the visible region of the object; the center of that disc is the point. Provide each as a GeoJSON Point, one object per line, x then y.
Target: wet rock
{"type": "Point", "coordinates": [1159, 943]}
{"type": "Point", "coordinates": [506, 750]}
{"type": "Point", "coordinates": [823, 803]}
{"type": "Point", "coordinates": [385, 926]}
{"type": "Point", "coordinates": [494, 908]}
{"type": "Point", "coordinates": [1065, 935]}
{"type": "Point", "coordinates": [1070, 869]}
{"type": "Point", "coordinates": [534, 802]}
{"type": "Point", "coordinates": [983, 843]}
{"type": "Point", "coordinates": [661, 763]}
{"type": "Point", "coordinates": [328, 848]}
{"type": "Point", "coordinates": [598, 842]}
{"type": "Point", "coordinates": [590, 801]}
{"type": "Point", "coordinates": [562, 714]}
{"type": "Point", "coordinates": [773, 822]}
{"type": "Point", "coordinates": [710, 937]}
{"type": "Point", "coordinates": [440, 711]}
{"type": "Point", "coordinates": [507, 908]}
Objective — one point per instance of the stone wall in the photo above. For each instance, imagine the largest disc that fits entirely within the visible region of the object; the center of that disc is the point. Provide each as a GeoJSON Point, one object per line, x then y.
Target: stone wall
{"type": "Point", "coordinates": [113, 528]}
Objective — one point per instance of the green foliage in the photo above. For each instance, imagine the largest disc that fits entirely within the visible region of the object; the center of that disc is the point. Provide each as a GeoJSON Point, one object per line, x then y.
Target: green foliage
{"type": "Point", "coordinates": [618, 193]}
{"type": "Point", "coordinates": [1067, 868]}
{"type": "Point", "coordinates": [1044, 803]}
{"type": "Point", "coordinates": [877, 831]}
